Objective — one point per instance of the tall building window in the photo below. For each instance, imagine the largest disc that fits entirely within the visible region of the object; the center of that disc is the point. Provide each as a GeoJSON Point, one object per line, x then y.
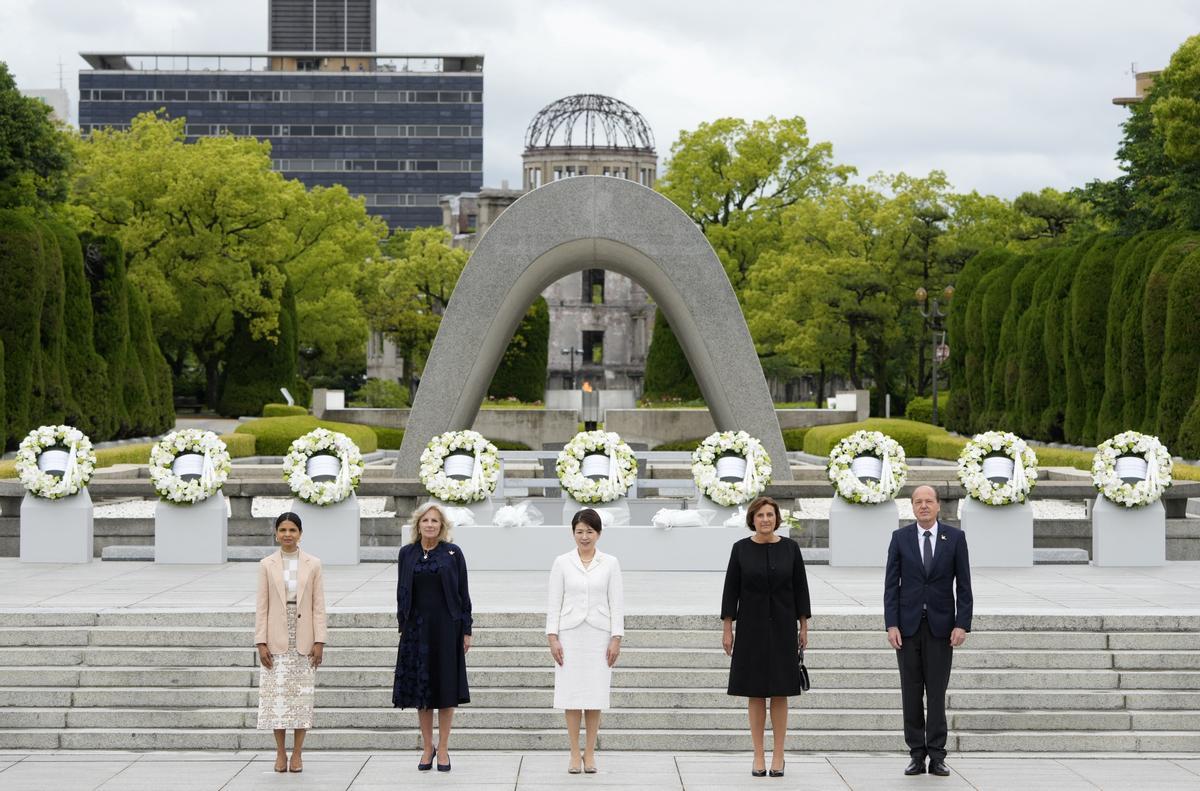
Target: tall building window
{"type": "Point", "coordinates": [593, 286]}
{"type": "Point", "coordinates": [593, 346]}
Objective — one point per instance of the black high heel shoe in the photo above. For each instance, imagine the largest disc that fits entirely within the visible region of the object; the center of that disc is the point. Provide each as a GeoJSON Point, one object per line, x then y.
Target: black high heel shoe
{"type": "Point", "coordinates": [757, 772]}
{"type": "Point", "coordinates": [443, 767]}
{"type": "Point", "coordinates": [777, 772]}
{"type": "Point", "coordinates": [427, 766]}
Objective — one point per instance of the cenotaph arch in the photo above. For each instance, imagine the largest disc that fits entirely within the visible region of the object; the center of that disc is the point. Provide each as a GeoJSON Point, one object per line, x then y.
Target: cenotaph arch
{"type": "Point", "coordinates": [592, 222]}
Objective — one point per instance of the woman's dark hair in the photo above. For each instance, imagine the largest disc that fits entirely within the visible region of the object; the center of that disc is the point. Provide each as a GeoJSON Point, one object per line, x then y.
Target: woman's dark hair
{"type": "Point", "coordinates": [288, 516]}
{"type": "Point", "coordinates": [759, 504]}
{"type": "Point", "coordinates": [589, 517]}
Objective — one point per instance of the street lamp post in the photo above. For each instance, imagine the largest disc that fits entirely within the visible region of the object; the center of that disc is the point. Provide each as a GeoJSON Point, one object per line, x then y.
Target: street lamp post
{"type": "Point", "coordinates": [571, 352]}
{"type": "Point", "coordinates": [935, 318]}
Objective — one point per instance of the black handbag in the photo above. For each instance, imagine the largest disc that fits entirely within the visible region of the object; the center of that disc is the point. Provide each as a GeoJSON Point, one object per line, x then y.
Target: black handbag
{"type": "Point", "coordinates": [804, 682]}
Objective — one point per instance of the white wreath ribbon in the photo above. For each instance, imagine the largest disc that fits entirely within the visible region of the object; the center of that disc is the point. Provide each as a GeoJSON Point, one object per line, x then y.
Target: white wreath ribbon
{"type": "Point", "coordinates": [1154, 476]}
{"type": "Point", "coordinates": [69, 473]}
{"type": "Point", "coordinates": [477, 472]}
{"type": "Point", "coordinates": [207, 471]}
{"type": "Point", "coordinates": [885, 470]}
{"type": "Point", "coordinates": [1020, 484]}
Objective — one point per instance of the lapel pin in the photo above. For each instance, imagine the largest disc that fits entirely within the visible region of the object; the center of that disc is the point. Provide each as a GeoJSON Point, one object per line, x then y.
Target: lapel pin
{"type": "Point", "coordinates": [452, 552]}
{"type": "Point", "coordinates": [942, 537]}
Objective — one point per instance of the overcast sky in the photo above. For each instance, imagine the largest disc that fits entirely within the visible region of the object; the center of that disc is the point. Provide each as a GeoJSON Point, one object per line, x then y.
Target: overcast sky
{"type": "Point", "coordinates": [1003, 96]}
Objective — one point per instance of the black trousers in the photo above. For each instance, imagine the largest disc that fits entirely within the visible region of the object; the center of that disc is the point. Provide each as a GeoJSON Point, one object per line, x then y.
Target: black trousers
{"type": "Point", "coordinates": [925, 673]}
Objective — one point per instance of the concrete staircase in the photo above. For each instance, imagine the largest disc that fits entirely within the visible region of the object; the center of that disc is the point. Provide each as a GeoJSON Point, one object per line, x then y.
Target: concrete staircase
{"type": "Point", "coordinates": [186, 680]}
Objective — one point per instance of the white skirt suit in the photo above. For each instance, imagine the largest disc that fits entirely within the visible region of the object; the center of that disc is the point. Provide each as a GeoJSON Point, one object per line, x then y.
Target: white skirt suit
{"type": "Point", "coordinates": [586, 609]}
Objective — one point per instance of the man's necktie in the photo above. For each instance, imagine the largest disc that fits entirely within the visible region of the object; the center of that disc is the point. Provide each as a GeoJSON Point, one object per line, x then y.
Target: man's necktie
{"type": "Point", "coordinates": [927, 553]}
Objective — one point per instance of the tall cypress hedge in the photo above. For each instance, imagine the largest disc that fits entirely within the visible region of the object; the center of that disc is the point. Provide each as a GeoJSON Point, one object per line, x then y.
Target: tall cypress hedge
{"type": "Point", "coordinates": [22, 291]}
{"type": "Point", "coordinates": [1089, 314]}
{"type": "Point", "coordinates": [1126, 267]}
{"type": "Point", "coordinates": [158, 413]}
{"type": "Point", "coordinates": [668, 374]}
{"type": "Point", "coordinates": [1181, 352]}
{"type": "Point", "coordinates": [962, 361]}
{"type": "Point", "coordinates": [1057, 372]}
{"type": "Point", "coordinates": [1154, 323]}
{"type": "Point", "coordinates": [1133, 353]}
{"type": "Point", "coordinates": [3, 400]}
{"type": "Point", "coordinates": [1008, 361]}
{"type": "Point", "coordinates": [104, 262]}
{"type": "Point", "coordinates": [87, 373]}
{"type": "Point", "coordinates": [255, 369]}
{"type": "Point", "coordinates": [522, 370]}
{"type": "Point", "coordinates": [996, 296]}
{"type": "Point", "coordinates": [50, 396]}
{"type": "Point", "coordinates": [1033, 396]}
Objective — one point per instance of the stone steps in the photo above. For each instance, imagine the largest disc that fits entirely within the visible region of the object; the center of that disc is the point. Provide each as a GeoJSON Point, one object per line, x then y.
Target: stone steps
{"type": "Point", "coordinates": [146, 680]}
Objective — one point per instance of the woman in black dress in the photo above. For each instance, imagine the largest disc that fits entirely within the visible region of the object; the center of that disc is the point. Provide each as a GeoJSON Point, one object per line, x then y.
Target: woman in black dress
{"type": "Point", "coordinates": [433, 608]}
{"type": "Point", "coordinates": [766, 592]}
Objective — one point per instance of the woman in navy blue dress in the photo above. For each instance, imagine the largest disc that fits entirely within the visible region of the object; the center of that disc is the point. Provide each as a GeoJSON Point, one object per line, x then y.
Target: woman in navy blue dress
{"type": "Point", "coordinates": [433, 608]}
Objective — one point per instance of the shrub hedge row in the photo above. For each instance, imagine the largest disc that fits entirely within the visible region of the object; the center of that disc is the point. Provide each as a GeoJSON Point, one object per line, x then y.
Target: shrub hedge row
{"type": "Point", "coordinates": [274, 435]}
{"type": "Point", "coordinates": [1079, 343]}
{"type": "Point", "coordinates": [239, 445]}
{"type": "Point", "coordinates": [283, 410]}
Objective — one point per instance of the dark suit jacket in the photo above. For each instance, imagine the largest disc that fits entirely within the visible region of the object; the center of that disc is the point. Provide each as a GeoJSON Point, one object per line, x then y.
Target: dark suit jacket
{"type": "Point", "coordinates": [906, 587]}
{"type": "Point", "coordinates": [452, 568]}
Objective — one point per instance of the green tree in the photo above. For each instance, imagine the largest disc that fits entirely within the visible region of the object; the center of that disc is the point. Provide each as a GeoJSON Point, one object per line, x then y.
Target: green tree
{"type": "Point", "coordinates": [105, 268]}
{"type": "Point", "coordinates": [1133, 343]}
{"type": "Point", "coordinates": [256, 368]}
{"type": "Point", "coordinates": [1088, 315]}
{"type": "Point", "coordinates": [50, 397]}
{"type": "Point", "coordinates": [522, 370]}
{"type": "Point", "coordinates": [1127, 284]}
{"type": "Point", "coordinates": [212, 232]}
{"type": "Point", "coordinates": [668, 375]}
{"type": "Point", "coordinates": [34, 155]}
{"type": "Point", "coordinates": [1155, 302]}
{"type": "Point", "coordinates": [409, 288]}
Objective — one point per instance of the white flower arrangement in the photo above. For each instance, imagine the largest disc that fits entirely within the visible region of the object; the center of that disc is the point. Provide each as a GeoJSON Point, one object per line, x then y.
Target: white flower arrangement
{"type": "Point", "coordinates": [484, 476]}
{"type": "Point", "coordinates": [867, 443]}
{"type": "Point", "coordinates": [81, 461]}
{"type": "Point", "coordinates": [1132, 495]}
{"type": "Point", "coordinates": [316, 442]}
{"type": "Point", "coordinates": [1014, 490]}
{"type": "Point", "coordinates": [622, 471]}
{"type": "Point", "coordinates": [731, 493]}
{"type": "Point", "coordinates": [173, 488]}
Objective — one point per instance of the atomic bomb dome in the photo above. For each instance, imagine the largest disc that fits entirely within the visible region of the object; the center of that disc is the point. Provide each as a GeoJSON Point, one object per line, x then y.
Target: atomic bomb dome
{"type": "Point", "coordinates": [588, 134]}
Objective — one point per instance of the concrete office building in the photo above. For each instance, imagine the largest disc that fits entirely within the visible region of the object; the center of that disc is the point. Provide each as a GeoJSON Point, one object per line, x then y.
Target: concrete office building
{"type": "Point", "coordinates": [398, 129]}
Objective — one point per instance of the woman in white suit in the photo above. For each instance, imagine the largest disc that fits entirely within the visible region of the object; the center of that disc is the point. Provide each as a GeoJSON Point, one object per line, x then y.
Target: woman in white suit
{"type": "Point", "coordinates": [585, 621]}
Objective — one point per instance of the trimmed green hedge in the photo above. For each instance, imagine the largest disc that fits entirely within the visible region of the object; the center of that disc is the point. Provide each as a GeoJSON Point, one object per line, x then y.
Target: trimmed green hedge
{"type": "Point", "coordinates": [388, 438]}
{"type": "Point", "coordinates": [275, 435]}
{"type": "Point", "coordinates": [283, 410]}
{"type": "Point", "coordinates": [912, 435]}
{"type": "Point", "coordinates": [920, 408]}
{"type": "Point", "coordinates": [668, 374]}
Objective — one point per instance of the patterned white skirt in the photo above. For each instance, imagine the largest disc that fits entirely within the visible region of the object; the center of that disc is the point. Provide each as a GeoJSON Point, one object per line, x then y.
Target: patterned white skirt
{"type": "Point", "coordinates": [285, 692]}
{"type": "Point", "coordinates": [584, 678]}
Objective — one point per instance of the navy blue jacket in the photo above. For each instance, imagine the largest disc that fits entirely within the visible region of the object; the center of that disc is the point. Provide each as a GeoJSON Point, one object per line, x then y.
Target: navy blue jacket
{"type": "Point", "coordinates": [452, 568]}
{"type": "Point", "coordinates": [906, 587]}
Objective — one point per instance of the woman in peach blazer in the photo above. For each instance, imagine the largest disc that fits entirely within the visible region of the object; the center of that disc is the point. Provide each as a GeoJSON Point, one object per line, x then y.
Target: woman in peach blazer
{"type": "Point", "coordinates": [289, 631]}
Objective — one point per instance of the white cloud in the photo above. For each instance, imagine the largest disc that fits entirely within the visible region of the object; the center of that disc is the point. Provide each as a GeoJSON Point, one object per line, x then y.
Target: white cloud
{"type": "Point", "coordinates": [1003, 97]}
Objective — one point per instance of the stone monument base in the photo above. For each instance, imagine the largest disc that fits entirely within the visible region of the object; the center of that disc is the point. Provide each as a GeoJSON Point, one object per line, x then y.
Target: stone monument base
{"type": "Point", "coordinates": [859, 535]}
{"type": "Point", "coordinates": [998, 535]}
{"type": "Point", "coordinates": [192, 533]}
{"type": "Point", "coordinates": [331, 532]}
{"type": "Point", "coordinates": [57, 531]}
{"type": "Point", "coordinates": [1128, 536]}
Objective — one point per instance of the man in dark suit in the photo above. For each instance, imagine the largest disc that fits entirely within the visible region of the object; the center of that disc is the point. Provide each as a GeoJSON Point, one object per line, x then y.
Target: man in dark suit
{"type": "Point", "coordinates": [926, 562]}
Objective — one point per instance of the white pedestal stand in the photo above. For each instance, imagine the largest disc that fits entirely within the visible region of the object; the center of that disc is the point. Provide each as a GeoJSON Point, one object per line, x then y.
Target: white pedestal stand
{"type": "Point", "coordinates": [998, 535]}
{"type": "Point", "coordinates": [859, 535]}
{"type": "Point", "coordinates": [1128, 536]}
{"type": "Point", "coordinates": [332, 533]}
{"type": "Point", "coordinates": [57, 531]}
{"type": "Point", "coordinates": [192, 533]}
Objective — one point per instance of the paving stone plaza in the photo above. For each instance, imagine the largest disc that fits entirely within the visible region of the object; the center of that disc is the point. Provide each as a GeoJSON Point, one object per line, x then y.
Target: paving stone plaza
{"type": "Point", "coordinates": [1104, 661]}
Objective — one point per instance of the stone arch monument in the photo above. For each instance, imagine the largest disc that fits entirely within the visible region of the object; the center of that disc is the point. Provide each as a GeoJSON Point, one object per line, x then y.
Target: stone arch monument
{"type": "Point", "coordinates": [592, 222]}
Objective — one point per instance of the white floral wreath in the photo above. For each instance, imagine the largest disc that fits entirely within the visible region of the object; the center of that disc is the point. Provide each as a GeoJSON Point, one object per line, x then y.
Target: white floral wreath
{"type": "Point", "coordinates": [867, 443]}
{"type": "Point", "coordinates": [1015, 489]}
{"type": "Point", "coordinates": [173, 488]}
{"type": "Point", "coordinates": [731, 493]}
{"type": "Point", "coordinates": [1131, 495]}
{"type": "Point", "coordinates": [317, 441]}
{"type": "Point", "coordinates": [622, 467]}
{"type": "Point", "coordinates": [484, 475]}
{"type": "Point", "coordinates": [81, 461]}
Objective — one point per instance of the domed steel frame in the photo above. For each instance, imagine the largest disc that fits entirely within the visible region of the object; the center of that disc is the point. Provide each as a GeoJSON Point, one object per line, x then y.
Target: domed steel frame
{"type": "Point", "coordinates": [601, 121]}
